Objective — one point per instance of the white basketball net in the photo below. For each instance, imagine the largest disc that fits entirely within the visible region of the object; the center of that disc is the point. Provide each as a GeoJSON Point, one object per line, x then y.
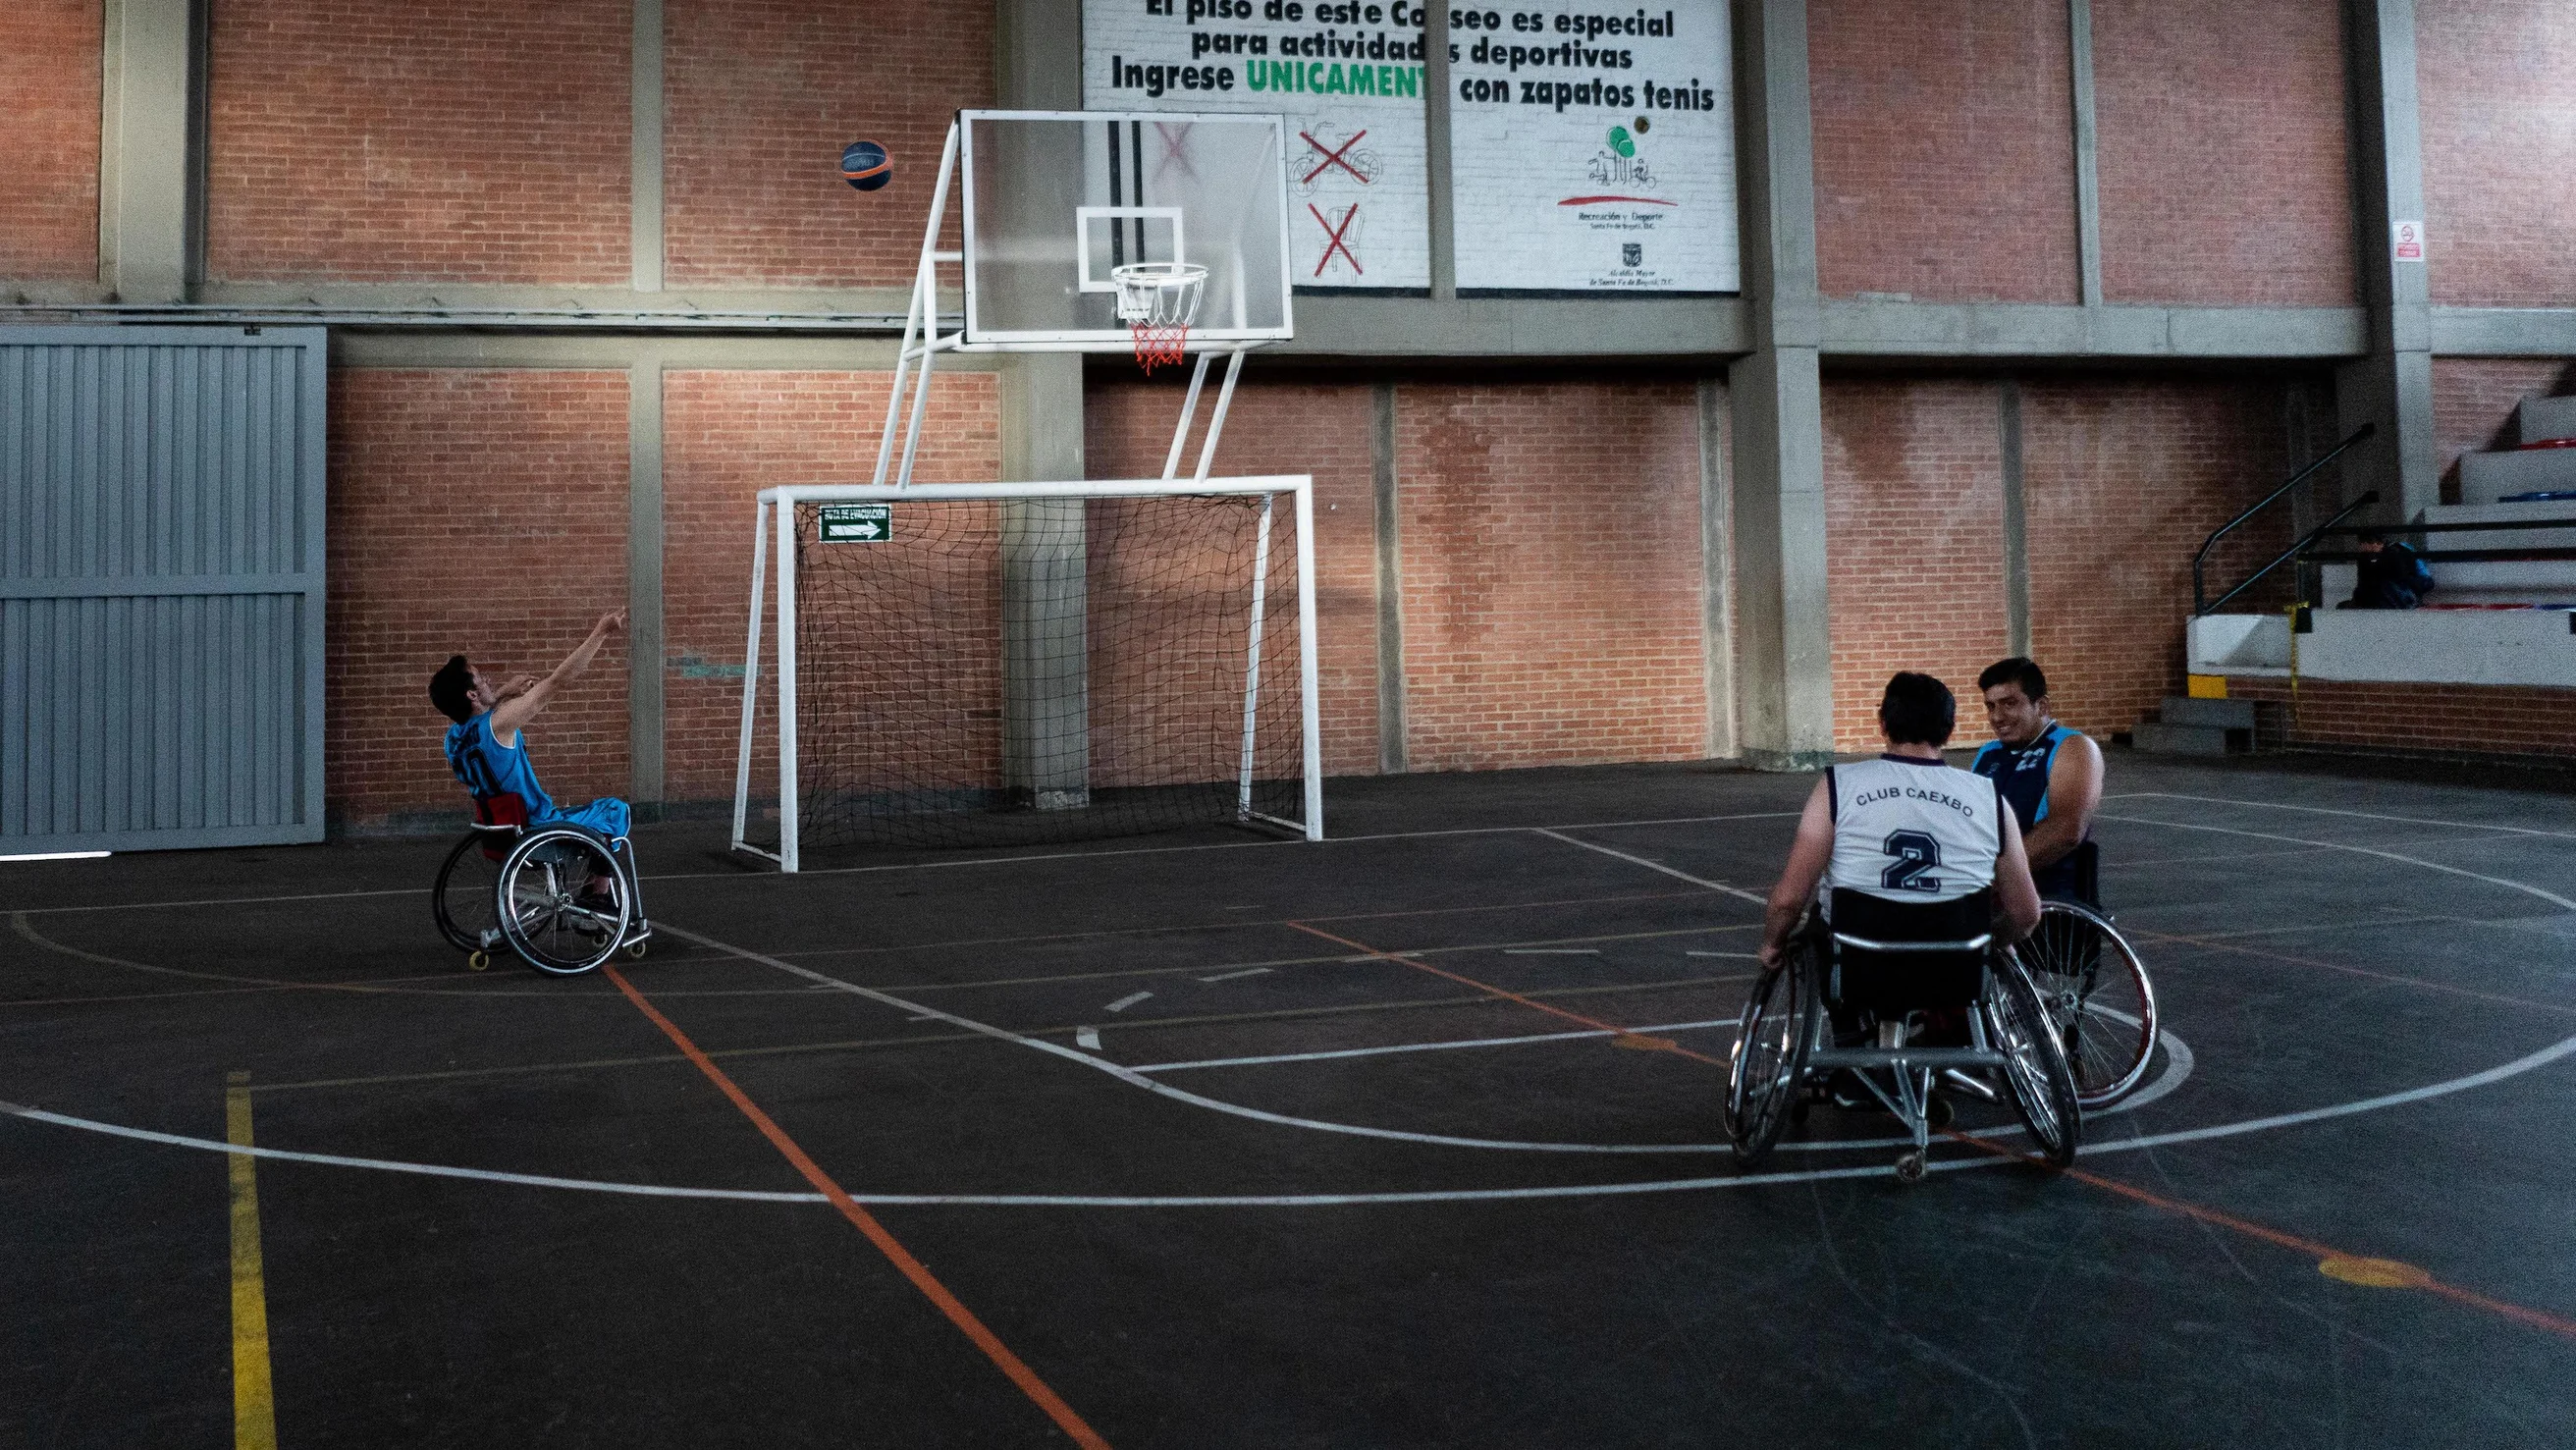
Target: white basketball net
{"type": "Point", "coordinates": [1158, 301]}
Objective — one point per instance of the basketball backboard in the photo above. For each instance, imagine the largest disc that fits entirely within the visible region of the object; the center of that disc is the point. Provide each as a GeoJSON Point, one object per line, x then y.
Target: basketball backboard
{"type": "Point", "coordinates": [1055, 199]}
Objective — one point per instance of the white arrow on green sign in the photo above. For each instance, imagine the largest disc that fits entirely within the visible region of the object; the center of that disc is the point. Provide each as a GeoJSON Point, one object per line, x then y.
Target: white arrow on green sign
{"type": "Point", "coordinates": [856, 523]}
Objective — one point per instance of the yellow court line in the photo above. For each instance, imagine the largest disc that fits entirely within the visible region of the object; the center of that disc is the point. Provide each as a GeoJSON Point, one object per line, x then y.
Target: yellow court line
{"type": "Point", "coordinates": [254, 1409]}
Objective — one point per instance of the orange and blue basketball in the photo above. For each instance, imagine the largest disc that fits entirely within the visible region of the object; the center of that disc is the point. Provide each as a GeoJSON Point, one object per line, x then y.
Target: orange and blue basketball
{"type": "Point", "coordinates": [865, 165]}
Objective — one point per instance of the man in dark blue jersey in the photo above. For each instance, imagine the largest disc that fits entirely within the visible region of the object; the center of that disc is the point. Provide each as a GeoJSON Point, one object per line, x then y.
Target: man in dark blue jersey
{"type": "Point", "coordinates": [2051, 777]}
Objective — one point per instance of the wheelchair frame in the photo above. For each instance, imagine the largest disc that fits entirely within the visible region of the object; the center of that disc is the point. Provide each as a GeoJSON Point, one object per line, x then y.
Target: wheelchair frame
{"type": "Point", "coordinates": [2030, 1059]}
{"type": "Point", "coordinates": [557, 901]}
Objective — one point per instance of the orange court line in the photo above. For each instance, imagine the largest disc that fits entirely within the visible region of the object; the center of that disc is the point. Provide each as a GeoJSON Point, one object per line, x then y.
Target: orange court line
{"type": "Point", "coordinates": [1623, 1034]}
{"type": "Point", "coordinates": [937, 1293]}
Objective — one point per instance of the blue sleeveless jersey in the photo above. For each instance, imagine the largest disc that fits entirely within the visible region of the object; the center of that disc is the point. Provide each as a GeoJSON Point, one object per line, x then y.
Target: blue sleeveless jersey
{"type": "Point", "coordinates": [2020, 774]}
{"type": "Point", "coordinates": [487, 768]}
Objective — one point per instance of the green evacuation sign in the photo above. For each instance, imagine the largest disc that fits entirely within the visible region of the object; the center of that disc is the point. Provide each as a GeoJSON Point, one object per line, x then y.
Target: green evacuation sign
{"type": "Point", "coordinates": [857, 523]}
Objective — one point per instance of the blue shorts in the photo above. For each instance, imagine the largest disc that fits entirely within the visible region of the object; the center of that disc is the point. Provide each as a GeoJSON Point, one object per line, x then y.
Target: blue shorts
{"type": "Point", "coordinates": [607, 815]}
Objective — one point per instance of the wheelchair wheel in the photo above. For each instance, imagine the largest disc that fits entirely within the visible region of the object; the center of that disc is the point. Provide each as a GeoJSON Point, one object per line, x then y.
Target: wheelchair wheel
{"type": "Point", "coordinates": [462, 900]}
{"type": "Point", "coordinates": [549, 914]}
{"type": "Point", "coordinates": [1769, 1064]}
{"type": "Point", "coordinates": [2096, 991]}
{"type": "Point", "coordinates": [2035, 1072]}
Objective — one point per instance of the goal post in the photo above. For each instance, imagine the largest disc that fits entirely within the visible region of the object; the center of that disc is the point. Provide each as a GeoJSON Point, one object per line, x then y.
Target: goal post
{"type": "Point", "coordinates": [992, 664]}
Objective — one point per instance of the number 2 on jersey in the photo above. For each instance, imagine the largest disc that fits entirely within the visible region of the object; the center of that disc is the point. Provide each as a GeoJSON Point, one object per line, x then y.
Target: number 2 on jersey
{"type": "Point", "coordinates": [1916, 855]}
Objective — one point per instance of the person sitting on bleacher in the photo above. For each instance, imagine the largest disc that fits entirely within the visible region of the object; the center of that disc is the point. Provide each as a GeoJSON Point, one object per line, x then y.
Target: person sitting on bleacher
{"type": "Point", "coordinates": [2051, 777]}
{"type": "Point", "coordinates": [2391, 575]}
{"type": "Point", "coordinates": [1907, 827]}
{"type": "Point", "coordinates": [488, 749]}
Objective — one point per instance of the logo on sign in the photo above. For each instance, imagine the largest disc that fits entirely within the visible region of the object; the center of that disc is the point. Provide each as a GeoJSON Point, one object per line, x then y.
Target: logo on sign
{"type": "Point", "coordinates": [855, 523]}
{"type": "Point", "coordinates": [1632, 254]}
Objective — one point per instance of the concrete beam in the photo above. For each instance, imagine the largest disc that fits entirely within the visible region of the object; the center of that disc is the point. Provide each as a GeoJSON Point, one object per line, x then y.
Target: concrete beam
{"type": "Point", "coordinates": [2034, 330]}
{"type": "Point", "coordinates": [151, 148]}
{"type": "Point", "coordinates": [1349, 326]}
{"type": "Point", "coordinates": [2504, 331]}
{"type": "Point", "coordinates": [454, 349]}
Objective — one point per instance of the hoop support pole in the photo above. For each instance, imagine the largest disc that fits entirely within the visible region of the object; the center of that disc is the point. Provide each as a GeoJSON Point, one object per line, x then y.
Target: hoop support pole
{"type": "Point", "coordinates": [750, 682]}
{"type": "Point", "coordinates": [786, 683]}
{"type": "Point", "coordinates": [1216, 422]}
{"type": "Point", "coordinates": [925, 304]}
{"type": "Point", "coordinates": [1189, 412]}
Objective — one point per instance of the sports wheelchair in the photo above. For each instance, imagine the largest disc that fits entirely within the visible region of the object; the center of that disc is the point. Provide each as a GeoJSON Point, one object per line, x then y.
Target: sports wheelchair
{"type": "Point", "coordinates": [526, 886]}
{"type": "Point", "coordinates": [1863, 990]}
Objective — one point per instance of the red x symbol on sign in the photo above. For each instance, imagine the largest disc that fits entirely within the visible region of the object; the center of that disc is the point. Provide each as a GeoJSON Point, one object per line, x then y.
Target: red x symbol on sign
{"type": "Point", "coordinates": [1176, 150]}
{"type": "Point", "coordinates": [1333, 237]}
{"type": "Point", "coordinates": [1332, 156]}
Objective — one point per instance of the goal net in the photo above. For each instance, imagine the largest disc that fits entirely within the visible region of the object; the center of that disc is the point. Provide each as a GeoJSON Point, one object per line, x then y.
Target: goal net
{"type": "Point", "coordinates": [1004, 664]}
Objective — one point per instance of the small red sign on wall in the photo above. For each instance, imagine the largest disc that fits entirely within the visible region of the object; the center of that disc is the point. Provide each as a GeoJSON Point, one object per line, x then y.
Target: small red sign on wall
{"type": "Point", "coordinates": [2409, 241]}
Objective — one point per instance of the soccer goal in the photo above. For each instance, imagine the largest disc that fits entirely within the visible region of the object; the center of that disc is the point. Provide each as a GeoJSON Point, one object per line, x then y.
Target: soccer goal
{"type": "Point", "coordinates": [998, 664]}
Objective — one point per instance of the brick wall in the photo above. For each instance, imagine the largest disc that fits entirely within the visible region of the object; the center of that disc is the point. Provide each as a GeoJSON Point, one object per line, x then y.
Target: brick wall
{"type": "Point", "coordinates": [2467, 719]}
{"type": "Point", "coordinates": [1913, 540]}
{"type": "Point", "coordinates": [2474, 399]}
{"type": "Point", "coordinates": [726, 436]}
{"type": "Point", "coordinates": [464, 141]}
{"type": "Point", "coordinates": [762, 96]}
{"type": "Point", "coordinates": [1552, 578]}
{"type": "Point", "coordinates": [49, 71]}
{"type": "Point", "coordinates": [2222, 149]}
{"type": "Point", "coordinates": [2497, 80]}
{"type": "Point", "coordinates": [1283, 426]}
{"type": "Point", "coordinates": [1945, 152]}
{"type": "Point", "coordinates": [2124, 477]}
{"type": "Point", "coordinates": [480, 513]}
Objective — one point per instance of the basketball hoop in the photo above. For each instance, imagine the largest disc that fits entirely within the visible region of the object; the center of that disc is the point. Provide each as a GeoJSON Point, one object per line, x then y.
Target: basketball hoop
{"type": "Point", "coordinates": [1158, 301]}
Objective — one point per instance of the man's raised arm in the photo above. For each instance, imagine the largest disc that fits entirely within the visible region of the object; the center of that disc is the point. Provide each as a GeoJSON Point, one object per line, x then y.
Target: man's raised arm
{"type": "Point", "coordinates": [523, 706]}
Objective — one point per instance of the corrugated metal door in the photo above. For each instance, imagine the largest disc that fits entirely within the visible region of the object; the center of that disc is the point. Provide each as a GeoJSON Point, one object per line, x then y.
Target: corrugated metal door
{"type": "Point", "coordinates": [160, 587]}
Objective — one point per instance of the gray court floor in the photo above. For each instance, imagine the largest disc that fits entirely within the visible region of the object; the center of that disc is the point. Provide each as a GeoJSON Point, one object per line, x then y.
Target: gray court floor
{"type": "Point", "coordinates": [1218, 1141]}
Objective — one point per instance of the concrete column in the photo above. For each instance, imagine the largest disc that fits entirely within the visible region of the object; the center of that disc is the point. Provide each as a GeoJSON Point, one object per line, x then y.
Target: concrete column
{"type": "Point", "coordinates": [1716, 555]}
{"type": "Point", "coordinates": [1436, 150]}
{"type": "Point", "coordinates": [152, 148]}
{"type": "Point", "coordinates": [644, 245]}
{"type": "Point", "coordinates": [2088, 165]}
{"type": "Point", "coordinates": [1783, 646]}
{"type": "Point", "coordinates": [1390, 587]}
{"type": "Point", "coordinates": [2393, 386]}
{"type": "Point", "coordinates": [644, 623]}
{"type": "Point", "coordinates": [2016, 520]}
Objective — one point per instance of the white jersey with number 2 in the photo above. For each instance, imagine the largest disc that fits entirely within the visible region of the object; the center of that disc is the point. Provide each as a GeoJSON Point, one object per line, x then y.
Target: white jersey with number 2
{"type": "Point", "coordinates": [1913, 830]}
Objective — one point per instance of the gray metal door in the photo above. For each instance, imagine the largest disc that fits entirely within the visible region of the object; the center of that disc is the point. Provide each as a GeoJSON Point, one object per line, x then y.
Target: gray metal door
{"type": "Point", "coordinates": [160, 587]}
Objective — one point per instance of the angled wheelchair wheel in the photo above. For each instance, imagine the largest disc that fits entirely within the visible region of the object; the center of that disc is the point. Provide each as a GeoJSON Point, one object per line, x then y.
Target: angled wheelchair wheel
{"type": "Point", "coordinates": [2097, 993]}
{"type": "Point", "coordinates": [2035, 1074]}
{"type": "Point", "coordinates": [462, 899]}
{"type": "Point", "coordinates": [1768, 1067]}
{"type": "Point", "coordinates": [548, 911]}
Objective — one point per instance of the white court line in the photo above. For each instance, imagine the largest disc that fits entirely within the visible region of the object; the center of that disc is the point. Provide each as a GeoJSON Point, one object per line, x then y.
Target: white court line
{"type": "Point", "coordinates": [1086, 1038]}
{"type": "Point", "coordinates": [2551, 897]}
{"type": "Point", "coordinates": [1230, 976]}
{"type": "Point", "coordinates": [1747, 956]}
{"type": "Point", "coordinates": [2167, 795]}
{"type": "Point", "coordinates": [1417, 1047]}
{"type": "Point", "coordinates": [1130, 1000]}
{"type": "Point", "coordinates": [1555, 835]}
{"type": "Point", "coordinates": [1551, 951]}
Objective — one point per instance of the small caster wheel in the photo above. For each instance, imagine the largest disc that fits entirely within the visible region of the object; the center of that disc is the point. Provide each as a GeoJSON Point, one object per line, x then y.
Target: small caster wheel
{"type": "Point", "coordinates": [1909, 1169]}
{"type": "Point", "coordinates": [635, 950]}
{"type": "Point", "coordinates": [478, 961]}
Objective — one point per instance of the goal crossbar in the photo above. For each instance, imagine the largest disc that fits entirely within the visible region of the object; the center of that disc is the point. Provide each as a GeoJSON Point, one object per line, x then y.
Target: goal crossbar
{"type": "Point", "coordinates": [774, 600]}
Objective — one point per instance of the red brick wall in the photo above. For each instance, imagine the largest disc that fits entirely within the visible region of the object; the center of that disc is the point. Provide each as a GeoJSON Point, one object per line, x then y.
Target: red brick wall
{"type": "Point", "coordinates": [1914, 531]}
{"type": "Point", "coordinates": [1552, 576]}
{"type": "Point", "coordinates": [49, 71]}
{"type": "Point", "coordinates": [726, 436]}
{"type": "Point", "coordinates": [763, 94]}
{"type": "Point", "coordinates": [2123, 478]}
{"type": "Point", "coordinates": [480, 513]}
{"type": "Point", "coordinates": [2474, 400]}
{"type": "Point", "coordinates": [463, 141]}
{"type": "Point", "coordinates": [2222, 152]}
{"type": "Point", "coordinates": [2470, 719]}
{"type": "Point", "coordinates": [2497, 80]}
{"type": "Point", "coordinates": [1323, 429]}
{"type": "Point", "coordinates": [1945, 153]}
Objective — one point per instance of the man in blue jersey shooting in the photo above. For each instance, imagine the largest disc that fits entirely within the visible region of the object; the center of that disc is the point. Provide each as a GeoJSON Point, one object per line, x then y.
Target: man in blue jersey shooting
{"type": "Point", "coordinates": [2051, 777]}
{"type": "Point", "coordinates": [488, 749]}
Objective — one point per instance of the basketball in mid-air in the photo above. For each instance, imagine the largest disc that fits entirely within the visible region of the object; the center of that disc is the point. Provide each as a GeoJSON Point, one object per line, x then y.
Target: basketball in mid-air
{"type": "Point", "coordinates": [865, 165]}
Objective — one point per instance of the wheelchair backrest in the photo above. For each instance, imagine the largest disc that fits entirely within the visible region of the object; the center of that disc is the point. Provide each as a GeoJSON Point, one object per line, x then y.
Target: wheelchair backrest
{"type": "Point", "coordinates": [506, 810]}
{"type": "Point", "coordinates": [1900, 956]}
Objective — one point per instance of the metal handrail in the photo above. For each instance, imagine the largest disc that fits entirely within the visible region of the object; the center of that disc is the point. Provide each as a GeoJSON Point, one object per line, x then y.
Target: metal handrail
{"type": "Point", "coordinates": [2285, 556]}
{"type": "Point", "coordinates": [2199, 561]}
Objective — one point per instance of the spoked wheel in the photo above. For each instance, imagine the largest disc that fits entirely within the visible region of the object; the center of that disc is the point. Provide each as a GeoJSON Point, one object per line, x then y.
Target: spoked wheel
{"type": "Point", "coordinates": [2097, 993]}
{"type": "Point", "coordinates": [549, 911]}
{"type": "Point", "coordinates": [463, 898]}
{"type": "Point", "coordinates": [1769, 1064]}
{"type": "Point", "coordinates": [2035, 1074]}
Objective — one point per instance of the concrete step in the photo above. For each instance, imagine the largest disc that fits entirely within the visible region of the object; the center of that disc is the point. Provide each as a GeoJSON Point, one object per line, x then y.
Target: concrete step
{"type": "Point", "coordinates": [2488, 477]}
{"type": "Point", "coordinates": [2221, 714]}
{"type": "Point", "coordinates": [2500, 513]}
{"type": "Point", "coordinates": [2157, 738]}
{"type": "Point", "coordinates": [2548, 418]}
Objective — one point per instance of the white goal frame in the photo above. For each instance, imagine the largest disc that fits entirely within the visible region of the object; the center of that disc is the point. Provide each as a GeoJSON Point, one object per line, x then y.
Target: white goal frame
{"type": "Point", "coordinates": [777, 514]}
